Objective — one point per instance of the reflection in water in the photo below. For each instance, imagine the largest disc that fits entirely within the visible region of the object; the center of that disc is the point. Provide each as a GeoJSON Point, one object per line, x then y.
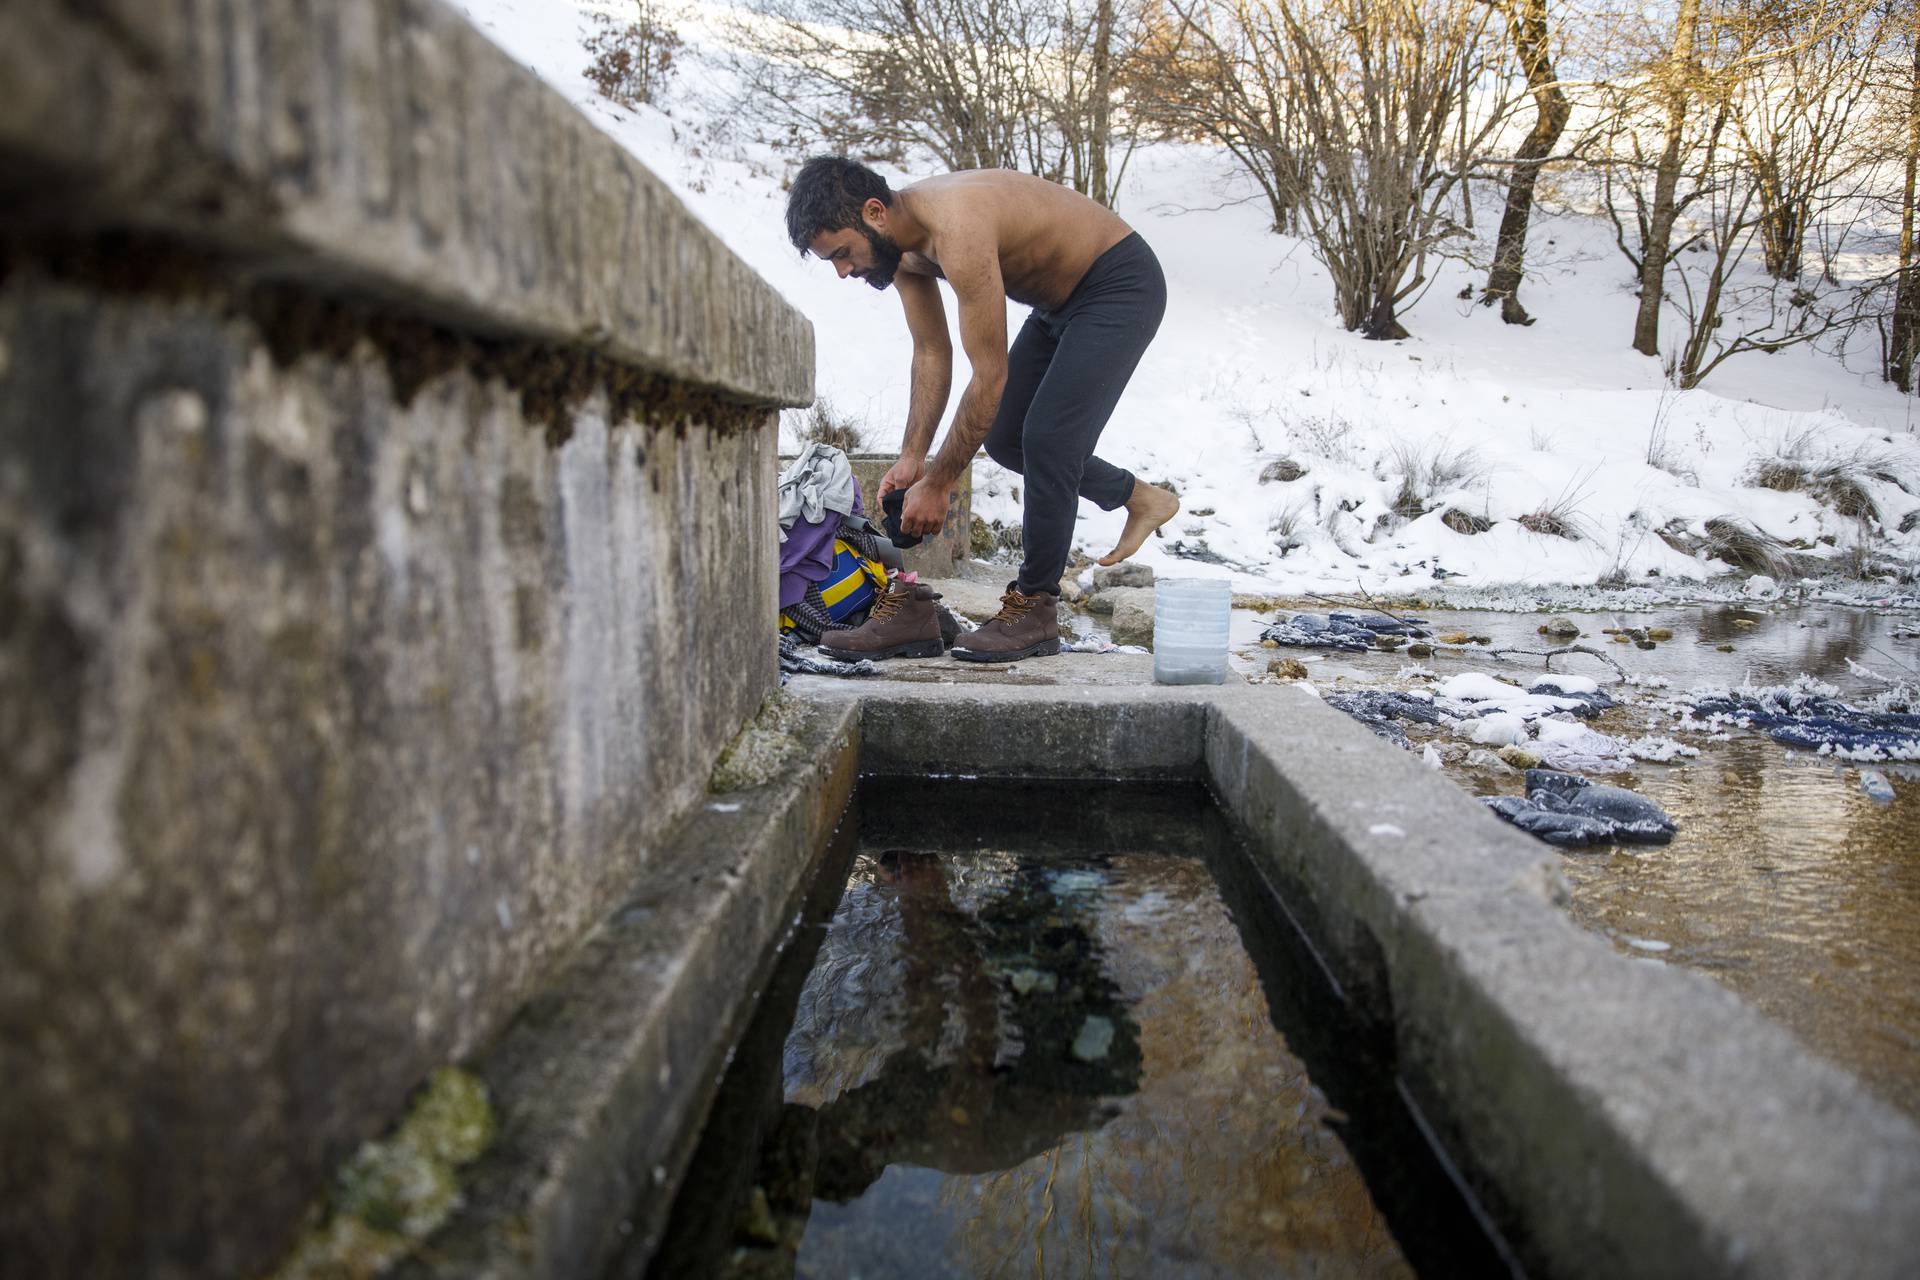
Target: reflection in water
{"type": "Point", "coordinates": [1001, 1064]}
{"type": "Point", "coordinates": [1787, 882]}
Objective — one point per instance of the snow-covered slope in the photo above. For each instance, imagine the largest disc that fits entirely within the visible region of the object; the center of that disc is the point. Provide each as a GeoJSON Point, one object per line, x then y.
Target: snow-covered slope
{"type": "Point", "coordinates": [1251, 367]}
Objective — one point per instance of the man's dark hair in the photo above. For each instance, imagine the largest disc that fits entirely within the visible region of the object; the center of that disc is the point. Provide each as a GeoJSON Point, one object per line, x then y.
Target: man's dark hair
{"type": "Point", "coordinates": [827, 196]}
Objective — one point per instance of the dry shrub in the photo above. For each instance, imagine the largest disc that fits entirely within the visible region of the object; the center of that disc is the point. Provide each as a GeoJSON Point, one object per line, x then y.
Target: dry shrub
{"type": "Point", "coordinates": [1427, 472]}
{"type": "Point", "coordinates": [822, 425]}
{"type": "Point", "coordinates": [1835, 480]}
{"type": "Point", "coordinates": [1552, 523]}
{"type": "Point", "coordinates": [1744, 547]}
{"type": "Point", "coordinates": [1462, 522]}
{"type": "Point", "coordinates": [633, 62]}
{"type": "Point", "coordinates": [1281, 470]}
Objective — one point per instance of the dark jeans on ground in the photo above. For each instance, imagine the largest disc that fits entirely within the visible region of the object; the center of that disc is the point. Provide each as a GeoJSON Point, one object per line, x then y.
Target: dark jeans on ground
{"type": "Point", "coordinates": [1065, 373]}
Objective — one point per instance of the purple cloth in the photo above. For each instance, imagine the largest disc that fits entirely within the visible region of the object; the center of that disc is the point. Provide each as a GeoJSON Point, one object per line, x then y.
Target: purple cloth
{"type": "Point", "coordinates": [806, 557]}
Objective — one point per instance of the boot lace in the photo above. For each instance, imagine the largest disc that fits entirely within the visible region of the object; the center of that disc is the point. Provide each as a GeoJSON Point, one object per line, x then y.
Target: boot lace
{"type": "Point", "coordinates": [1014, 606]}
{"type": "Point", "coordinates": [891, 601]}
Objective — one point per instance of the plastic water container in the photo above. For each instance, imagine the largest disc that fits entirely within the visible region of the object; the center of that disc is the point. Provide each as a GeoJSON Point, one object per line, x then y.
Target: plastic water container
{"type": "Point", "coordinates": [1191, 617]}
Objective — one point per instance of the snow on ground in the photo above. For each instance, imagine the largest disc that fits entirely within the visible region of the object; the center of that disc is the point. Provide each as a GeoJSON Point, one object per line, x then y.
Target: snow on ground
{"type": "Point", "coordinates": [1251, 366]}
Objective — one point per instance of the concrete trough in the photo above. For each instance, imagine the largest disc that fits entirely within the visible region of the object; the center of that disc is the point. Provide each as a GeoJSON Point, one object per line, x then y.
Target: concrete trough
{"type": "Point", "coordinates": [1615, 1116]}
{"type": "Point", "coordinates": [1612, 1116]}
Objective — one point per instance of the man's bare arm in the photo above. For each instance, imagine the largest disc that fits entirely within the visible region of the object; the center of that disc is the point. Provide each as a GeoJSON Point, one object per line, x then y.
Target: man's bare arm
{"type": "Point", "coordinates": [932, 360]}
{"type": "Point", "coordinates": [973, 269]}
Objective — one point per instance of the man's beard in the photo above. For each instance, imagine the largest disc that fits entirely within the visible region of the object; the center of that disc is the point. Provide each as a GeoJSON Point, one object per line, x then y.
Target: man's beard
{"type": "Point", "coordinates": [886, 259]}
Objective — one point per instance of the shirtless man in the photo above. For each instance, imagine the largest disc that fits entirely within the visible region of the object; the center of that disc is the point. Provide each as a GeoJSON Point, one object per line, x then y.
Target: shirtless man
{"type": "Point", "coordinates": [1097, 296]}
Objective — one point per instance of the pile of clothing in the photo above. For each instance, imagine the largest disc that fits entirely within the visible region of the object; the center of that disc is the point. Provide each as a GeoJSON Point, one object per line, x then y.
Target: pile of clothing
{"type": "Point", "coordinates": [833, 560]}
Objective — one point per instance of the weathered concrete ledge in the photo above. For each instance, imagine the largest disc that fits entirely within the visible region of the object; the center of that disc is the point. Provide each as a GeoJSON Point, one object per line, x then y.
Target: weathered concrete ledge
{"type": "Point", "coordinates": [356, 646]}
{"type": "Point", "coordinates": [377, 147]}
{"type": "Point", "coordinates": [1621, 1117]}
{"type": "Point", "coordinates": [602, 1083]}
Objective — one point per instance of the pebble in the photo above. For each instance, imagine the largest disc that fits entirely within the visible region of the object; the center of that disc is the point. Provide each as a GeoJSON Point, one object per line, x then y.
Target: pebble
{"type": "Point", "coordinates": [1454, 637]}
{"type": "Point", "coordinates": [1287, 669]}
{"type": "Point", "coordinates": [1659, 633]}
{"type": "Point", "coordinates": [1875, 784]}
{"type": "Point", "coordinates": [1649, 944]}
{"type": "Point", "coordinates": [1419, 650]}
{"type": "Point", "coordinates": [1519, 757]}
{"type": "Point", "coordinates": [1095, 1038]}
{"type": "Point", "coordinates": [1029, 980]}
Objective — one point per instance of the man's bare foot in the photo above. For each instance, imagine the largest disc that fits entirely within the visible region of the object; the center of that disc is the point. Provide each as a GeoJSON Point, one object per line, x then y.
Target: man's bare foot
{"type": "Point", "coordinates": [1148, 509]}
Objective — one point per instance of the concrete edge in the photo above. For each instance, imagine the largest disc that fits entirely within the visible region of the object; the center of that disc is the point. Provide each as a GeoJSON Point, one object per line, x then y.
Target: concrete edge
{"type": "Point", "coordinates": [601, 1084]}
{"type": "Point", "coordinates": [1069, 731]}
{"type": "Point", "coordinates": [387, 149]}
{"type": "Point", "coordinates": [1634, 1118]}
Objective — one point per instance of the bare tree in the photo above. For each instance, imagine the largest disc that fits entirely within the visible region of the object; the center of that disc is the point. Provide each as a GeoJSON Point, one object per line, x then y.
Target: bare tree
{"type": "Point", "coordinates": [1797, 112]}
{"type": "Point", "coordinates": [1017, 84]}
{"type": "Point", "coordinates": [1361, 121]}
{"type": "Point", "coordinates": [1903, 339]}
{"type": "Point", "coordinates": [1527, 21]}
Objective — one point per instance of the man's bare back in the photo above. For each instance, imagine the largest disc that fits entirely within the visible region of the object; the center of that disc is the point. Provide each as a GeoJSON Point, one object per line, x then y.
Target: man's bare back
{"type": "Point", "coordinates": [1047, 234]}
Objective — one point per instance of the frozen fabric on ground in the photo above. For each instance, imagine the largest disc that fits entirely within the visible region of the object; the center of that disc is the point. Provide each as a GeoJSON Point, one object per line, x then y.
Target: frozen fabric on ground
{"type": "Point", "coordinates": [1807, 714]}
{"type": "Point", "coordinates": [1566, 809]}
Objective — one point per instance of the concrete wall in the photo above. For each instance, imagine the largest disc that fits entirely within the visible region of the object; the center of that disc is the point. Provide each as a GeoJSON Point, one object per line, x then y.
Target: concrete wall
{"type": "Point", "coordinates": [386, 463]}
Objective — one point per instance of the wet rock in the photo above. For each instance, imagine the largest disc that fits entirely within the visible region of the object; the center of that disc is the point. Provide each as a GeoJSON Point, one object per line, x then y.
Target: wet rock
{"type": "Point", "coordinates": [1659, 633]}
{"type": "Point", "coordinates": [1564, 628]}
{"type": "Point", "coordinates": [1419, 649]}
{"type": "Point", "coordinates": [1094, 1040]}
{"type": "Point", "coordinates": [1724, 648]}
{"type": "Point", "coordinates": [1133, 620]}
{"type": "Point", "coordinates": [1125, 574]}
{"type": "Point", "coordinates": [1104, 602]}
{"type": "Point", "coordinates": [1454, 637]}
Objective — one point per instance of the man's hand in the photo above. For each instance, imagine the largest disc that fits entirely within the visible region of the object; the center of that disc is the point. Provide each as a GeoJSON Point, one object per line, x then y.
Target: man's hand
{"type": "Point", "coordinates": [926, 507]}
{"type": "Point", "coordinates": [903, 474]}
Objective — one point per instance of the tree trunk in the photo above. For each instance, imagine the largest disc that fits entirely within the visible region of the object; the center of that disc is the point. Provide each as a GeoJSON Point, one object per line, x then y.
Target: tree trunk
{"type": "Point", "coordinates": [1653, 261]}
{"type": "Point", "coordinates": [1528, 20]}
{"type": "Point", "coordinates": [1102, 103]}
{"type": "Point", "coordinates": [1904, 342]}
{"type": "Point", "coordinates": [1782, 231]}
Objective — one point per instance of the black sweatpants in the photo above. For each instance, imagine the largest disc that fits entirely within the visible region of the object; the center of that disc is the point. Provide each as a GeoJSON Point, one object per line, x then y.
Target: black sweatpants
{"type": "Point", "coordinates": [1065, 374]}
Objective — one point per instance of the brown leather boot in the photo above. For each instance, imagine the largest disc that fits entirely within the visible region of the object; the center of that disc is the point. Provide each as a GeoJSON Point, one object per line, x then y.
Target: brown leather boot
{"type": "Point", "coordinates": [1026, 627]}
{"type": "Point", "coordinates": [904, 624]}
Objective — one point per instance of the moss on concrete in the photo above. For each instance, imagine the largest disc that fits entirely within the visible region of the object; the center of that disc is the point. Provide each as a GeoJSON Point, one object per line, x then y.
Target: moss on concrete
{"type": "Point", "coordinates": [766, 748]}
{"type": "Point", "coordinates": [394, 1192]}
